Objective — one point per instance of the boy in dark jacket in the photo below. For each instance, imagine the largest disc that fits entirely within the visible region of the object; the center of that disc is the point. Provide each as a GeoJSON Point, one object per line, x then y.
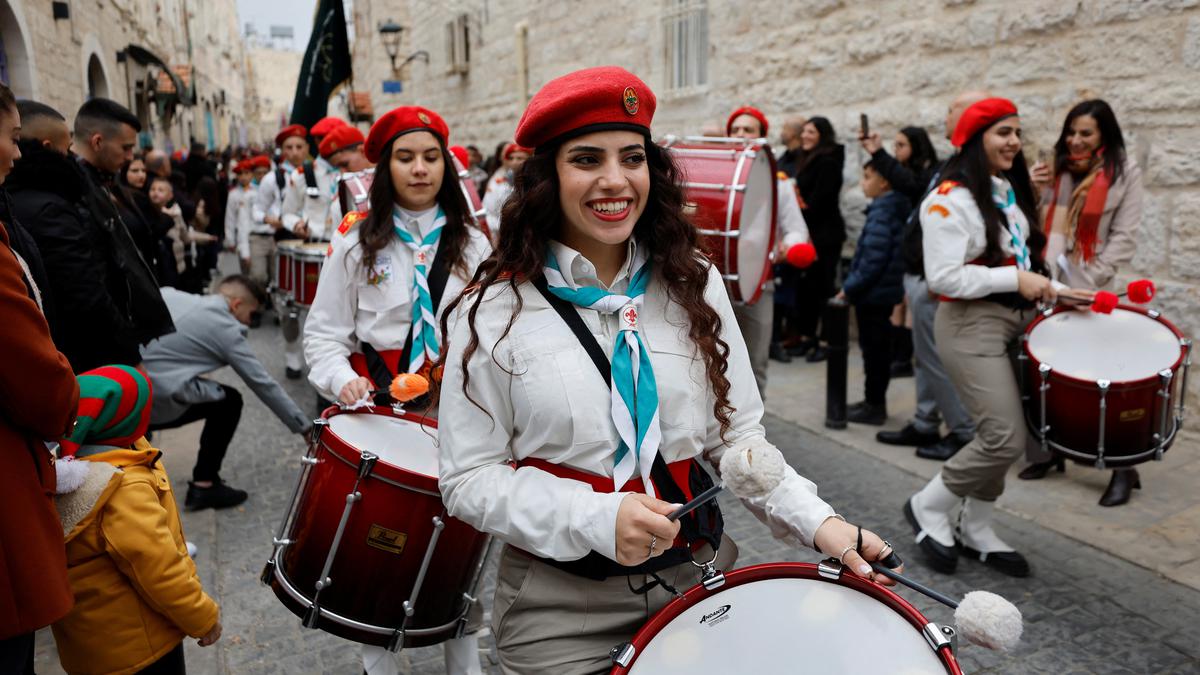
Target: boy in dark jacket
{"type": "Point", "coordinates": [874, 286]}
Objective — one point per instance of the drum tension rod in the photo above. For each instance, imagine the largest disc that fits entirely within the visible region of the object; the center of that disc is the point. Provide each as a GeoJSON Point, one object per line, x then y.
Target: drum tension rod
{"type": "Point", "coordinates": [1165, 393]}
{"type": "Point", "coordinates": [1103, 385]}
{"type": "Point", "coordinates": [1044, 429]}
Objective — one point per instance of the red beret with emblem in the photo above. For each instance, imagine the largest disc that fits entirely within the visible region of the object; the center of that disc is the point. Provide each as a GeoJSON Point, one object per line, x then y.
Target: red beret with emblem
{"type": "Point", "coordinates": [593, 99]}
{"type": "Point", "coordinates": [403, 120]}
{"type": "Point", "coordinates": [340, 138]}
{"type": "Point", "coordinates": [326, 125]}
{"type": "Point", "coordinates": [460, 153]}
{"type": "Point", "coordinates": [751, 111]}
{"type": "Point", "coordinates": [980, 116]}
{"type": "Point", "coordinates": [290, 130]}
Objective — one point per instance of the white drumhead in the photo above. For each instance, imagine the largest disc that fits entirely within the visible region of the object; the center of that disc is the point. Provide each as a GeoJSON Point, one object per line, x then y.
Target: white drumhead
{"type": "Point", "coordinates": [1120, 347]}
{"type": "Point", "coordinates": [754, 235]}
{"type": "Point", "coordinates": [788, 625]}
{"type": "Point", "coordinates": [401, 443]}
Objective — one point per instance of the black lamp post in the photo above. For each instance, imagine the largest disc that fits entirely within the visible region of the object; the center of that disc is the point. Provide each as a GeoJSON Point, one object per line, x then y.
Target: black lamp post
{"type": "Point", "coordinates": [389, 33]}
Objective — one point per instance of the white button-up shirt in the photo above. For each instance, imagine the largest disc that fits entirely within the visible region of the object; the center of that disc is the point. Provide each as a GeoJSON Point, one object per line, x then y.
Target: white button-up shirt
{"type": "Point", "coordinates": [539, 395]}
{"type": "Point", "coordinates": [301, 207]}
{"type": "Point", "coordinates": [953, 234]}
{"type": "Point", "coordinates": [355, 305]}
{"type": "Point", "coordinates": [792, 228]}
{"type": "Point", "coordinates": [270, 195]}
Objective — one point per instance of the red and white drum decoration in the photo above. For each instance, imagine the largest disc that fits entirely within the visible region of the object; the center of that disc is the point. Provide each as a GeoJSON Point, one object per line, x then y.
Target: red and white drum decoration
{"type": "Point", "coordinates": [1106, 389]}
{"type": "Point", "coordinates": [730, 188]}
{"type": "Point", "coordinates": [366, 550]}
{"type": "Point", "coordinates": [788, 618]}
{"type": "Point", "coordinates": [354, 191]}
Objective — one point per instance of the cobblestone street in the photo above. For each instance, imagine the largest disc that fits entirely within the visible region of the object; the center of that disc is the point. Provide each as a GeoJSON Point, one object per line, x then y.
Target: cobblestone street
{"type": "Point", "coordinates": [1085, 611]}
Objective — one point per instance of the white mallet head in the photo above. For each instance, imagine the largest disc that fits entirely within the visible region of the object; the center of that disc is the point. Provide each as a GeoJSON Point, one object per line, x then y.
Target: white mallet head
{"type": "Point", "coordinates": [988, 620]}
{"type": "Point", "coordinates": [753, 471]}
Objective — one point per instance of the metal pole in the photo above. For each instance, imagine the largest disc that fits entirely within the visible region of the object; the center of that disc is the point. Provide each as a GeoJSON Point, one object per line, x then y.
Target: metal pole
{"type": "Point", "coordinates": [835, 325]}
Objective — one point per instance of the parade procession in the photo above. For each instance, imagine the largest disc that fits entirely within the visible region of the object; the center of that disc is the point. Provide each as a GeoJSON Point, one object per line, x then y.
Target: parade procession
{"type": "Point", "coordinates": [574, 338]}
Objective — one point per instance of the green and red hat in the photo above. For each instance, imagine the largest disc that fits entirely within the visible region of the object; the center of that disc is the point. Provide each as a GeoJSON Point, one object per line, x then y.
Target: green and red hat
{"type": "Point", "coordinates": [114, 408]}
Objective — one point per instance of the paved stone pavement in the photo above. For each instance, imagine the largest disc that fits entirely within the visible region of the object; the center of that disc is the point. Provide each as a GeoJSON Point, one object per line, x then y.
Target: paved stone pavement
{"type": "Point", "coordinates": [1085, 611]}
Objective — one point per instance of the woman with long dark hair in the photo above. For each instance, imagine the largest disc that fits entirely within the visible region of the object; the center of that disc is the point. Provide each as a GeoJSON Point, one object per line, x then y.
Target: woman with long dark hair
{"type": "Point", "coordinates": [1092, 212]}
{"type": "Point", "coordinates": [819, 179]}
{"type": "Point", "coordinates": [389, 271]}
{"type": "Point", "coordinates": [983, 256]}
{"type": "Point", "coordinates": [590, 364]}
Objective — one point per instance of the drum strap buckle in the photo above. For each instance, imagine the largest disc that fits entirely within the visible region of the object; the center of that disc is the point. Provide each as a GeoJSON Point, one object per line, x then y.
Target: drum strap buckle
{"type": "Point", "coordinates": [710, 577]}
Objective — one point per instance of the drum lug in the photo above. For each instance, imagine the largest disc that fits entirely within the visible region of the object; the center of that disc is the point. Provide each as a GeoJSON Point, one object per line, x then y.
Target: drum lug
{"type": "Point", "coordinates": [712, 579]}
{"type": "Point", "coordinates": [1165, 376]}
{"type": "Point", "coordinates": [268, 573]}
{"type": "Point", "coordinates": [397, 642]}
{"type": "Point", "coordinates": [310, 460]}
{"type": "Point", "coordinates": [276, 541]}
{"type": "Point", "coordinates": [1044, 371]}
{"type": "Point", "coordinates": [1153, 313]}
{"type": "Point", "coordinates": [1103, 385]}
{"type": "Point", "coordinates": [622, 655]}
{"type": "Point", "coordinates": [940, 636]}
{"type": "Point", "coordinates": [830, 568]}
{"type": "Point", "coordinates": [312, 615]}
{"type": "Point", "coordinates": [318, 428]}
{"type": "Point", "coordinates": [1180, 408]}
{"type": "Point", "coordinates": [366, 464]}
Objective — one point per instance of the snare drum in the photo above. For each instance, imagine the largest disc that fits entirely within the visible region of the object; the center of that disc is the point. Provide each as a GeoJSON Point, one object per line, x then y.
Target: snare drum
{"type": "Point", "coordinates": [307, 260]}
{"type": "Point", "coordinates": [1106, 389]}
{"type": "Point", "coordinates": [788, 618]}
{"type": "Point", "coordinates": [366, 550]}
{"type": "Point", "coordinates": [730, 188]}
{"type": "Point", "coordinates": [354, 193]}
{"type": "Point", "coordinates": [282, 265]}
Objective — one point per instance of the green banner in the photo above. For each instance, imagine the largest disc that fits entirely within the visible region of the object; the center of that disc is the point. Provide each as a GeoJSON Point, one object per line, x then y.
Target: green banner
{"type": "Point", "coordinates": [326, 64]}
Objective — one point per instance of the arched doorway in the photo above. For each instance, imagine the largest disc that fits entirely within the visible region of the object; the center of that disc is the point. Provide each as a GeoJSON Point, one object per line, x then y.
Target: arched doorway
{"type": "Point", "coordinates": [97, 81]}
{"type": "Point", "coordinates": [16, 57]}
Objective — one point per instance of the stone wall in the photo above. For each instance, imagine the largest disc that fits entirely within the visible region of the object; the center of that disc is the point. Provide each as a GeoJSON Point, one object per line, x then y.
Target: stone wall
{"type": "Point", "coordinates": [898, 61]}
{"type": "Point", "coordinates": [272, 74]}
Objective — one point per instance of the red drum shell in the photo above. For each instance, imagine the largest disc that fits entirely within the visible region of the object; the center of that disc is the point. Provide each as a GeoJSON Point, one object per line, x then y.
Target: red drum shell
{"type": "Point", "coordinates": [1133, 406]}
{"type": "Point", "coordinates": [284, 280]}
{"type": "Point", "coordinates": [370, 579]}
{"type": "Point", "coordinates": [307, 261]}
{"type": "Point", "coordinates": [738, 233]}
{"type": "Point", "coordinates": [888, 600]}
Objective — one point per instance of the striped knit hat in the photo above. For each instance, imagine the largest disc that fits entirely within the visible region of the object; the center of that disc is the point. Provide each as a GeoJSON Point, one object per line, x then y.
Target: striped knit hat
{"type": "Point", "coordinates": [114, 408]}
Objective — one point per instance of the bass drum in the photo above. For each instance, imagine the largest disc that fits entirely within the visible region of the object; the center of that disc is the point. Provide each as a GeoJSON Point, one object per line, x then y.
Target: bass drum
{"type": "Point", "coordinates": [731, 190]}
{"type": "Point", "coordinates": [354, 193]}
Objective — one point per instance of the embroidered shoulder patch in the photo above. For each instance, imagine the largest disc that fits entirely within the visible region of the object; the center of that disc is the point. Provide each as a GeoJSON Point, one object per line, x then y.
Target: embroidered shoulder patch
{"type": "Point", "coordinates": [349, 221]}
{"type": "Point", "coordinates": [781, 175]}
{"type": "Point", "coordinates": [947, 186]}
{"type": "Point", "coordinates": [938, 210]}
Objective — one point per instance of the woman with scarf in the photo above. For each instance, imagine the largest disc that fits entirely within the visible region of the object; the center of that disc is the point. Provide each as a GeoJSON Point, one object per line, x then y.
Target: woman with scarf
{"type": "Point", "coordinates": [598, 299]}
{"type": "Point", "coordinates": [388, 273]}
{"type": "Point", "coordinates": [983, 256]}
{"type": "Point", "coordinates": [1092, 211]}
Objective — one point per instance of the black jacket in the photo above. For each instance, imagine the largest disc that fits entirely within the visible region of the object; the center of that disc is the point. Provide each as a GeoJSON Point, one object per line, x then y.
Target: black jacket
{"type": "Point", "coordinates": [911, 184]}
{"type": "Point", "coordinates": [820, 184]}
{"type": "Point", "coordinates": [106, 298]}
{"type": "Point", "coordinates": [24, 245]}
{"type": "Point", "coordinates": [877, 272]}
{"type": "Point", "coordinates": [788, 161]}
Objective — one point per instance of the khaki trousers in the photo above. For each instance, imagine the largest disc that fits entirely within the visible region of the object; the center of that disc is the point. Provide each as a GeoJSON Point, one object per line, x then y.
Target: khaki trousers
{"type": "Point", "coordinates": [755, 322]}
{"type": "Point", "coordinates": [549, 621]}
{"type": "Point", "coordinates": [973, 339]}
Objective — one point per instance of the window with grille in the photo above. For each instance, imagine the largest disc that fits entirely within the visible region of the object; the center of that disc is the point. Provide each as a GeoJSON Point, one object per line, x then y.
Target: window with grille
{"type": "Point", "coordinates": [458, 45]}
{"type": "Point", "coordinates": [685, 36]}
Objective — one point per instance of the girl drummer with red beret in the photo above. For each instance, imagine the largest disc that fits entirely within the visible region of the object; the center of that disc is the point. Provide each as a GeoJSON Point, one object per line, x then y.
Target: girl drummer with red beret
{"type": "Point", "coordinates": [389, 272]}
{"type": "Point", "coordinates": [597, 275]}
{"type": "Point", "coordinates": [983, 255]}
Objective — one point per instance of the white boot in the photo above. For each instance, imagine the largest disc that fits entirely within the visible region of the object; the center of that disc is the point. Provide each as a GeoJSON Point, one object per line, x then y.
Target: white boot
{"type": "Point", "coordinates": [933, 509]}
{"type": "Point", "coordinates": [981, 542]}
{"type": "Point", "coordinates": [462, 655]}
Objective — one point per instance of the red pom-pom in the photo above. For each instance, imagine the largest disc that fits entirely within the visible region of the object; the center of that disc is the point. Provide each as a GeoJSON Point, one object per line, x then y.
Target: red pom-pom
{"type": "Point", "coordinates": [801, 255]}
{"type": "Point", "coordinates": [408, 386]}
{"type": "Point", "coordinates": [1105, 302]}
{"type": "Point", "coordinates": [1141, 291]}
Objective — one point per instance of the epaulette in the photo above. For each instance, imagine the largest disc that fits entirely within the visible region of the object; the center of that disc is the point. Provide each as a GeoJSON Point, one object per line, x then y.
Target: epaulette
{"type": "Point", "coordinates": [946, 186]}
{"type": "Point", "coordinates": [349, 221]}
{"type": "Point", "coordinates": [781, 175]}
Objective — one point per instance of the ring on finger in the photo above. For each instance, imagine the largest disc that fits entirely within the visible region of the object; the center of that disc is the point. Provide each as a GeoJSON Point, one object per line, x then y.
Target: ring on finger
{"type": "Point", "coordinates": [844, 552]}
{"type": "Point", "coordinates": [886, 545]}
{"type": "Point", "coordinates": [653, 542]}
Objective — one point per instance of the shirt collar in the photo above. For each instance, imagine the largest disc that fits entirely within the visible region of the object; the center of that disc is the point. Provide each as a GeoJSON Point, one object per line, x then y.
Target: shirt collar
{"type": "Point", "coordinates": [423, 219]}
{"type": "Point", "coordinates": [578, 271]}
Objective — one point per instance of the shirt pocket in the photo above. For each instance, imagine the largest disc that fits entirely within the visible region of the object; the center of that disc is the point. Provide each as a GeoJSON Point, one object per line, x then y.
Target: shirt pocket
{"type": "Point", "coordinates": [384, 297]}
{"type": "Point", "coordinates": [679, 373]}
{"type": "Point", "coordinates": [568, 402]}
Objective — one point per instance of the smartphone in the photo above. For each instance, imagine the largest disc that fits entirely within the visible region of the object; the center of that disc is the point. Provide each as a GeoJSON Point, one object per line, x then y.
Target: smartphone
{"type": "Point", "coordinates": [1045, 156]}
{"type": "Point", "coordinates": [863, 126]}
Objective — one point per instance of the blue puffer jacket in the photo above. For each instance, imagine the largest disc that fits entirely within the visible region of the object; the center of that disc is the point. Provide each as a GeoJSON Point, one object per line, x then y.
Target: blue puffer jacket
{"type": "Point", "coordinates": [877, 272]}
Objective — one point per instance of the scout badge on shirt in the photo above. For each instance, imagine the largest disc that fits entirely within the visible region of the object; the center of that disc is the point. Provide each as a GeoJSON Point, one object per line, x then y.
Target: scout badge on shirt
{"type": "Point", "coordinates": [381, 271]}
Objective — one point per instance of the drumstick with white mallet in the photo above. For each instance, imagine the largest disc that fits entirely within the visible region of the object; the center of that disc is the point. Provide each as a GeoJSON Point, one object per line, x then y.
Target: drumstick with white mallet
{"type": "Point", "coordinates": [983, 618]}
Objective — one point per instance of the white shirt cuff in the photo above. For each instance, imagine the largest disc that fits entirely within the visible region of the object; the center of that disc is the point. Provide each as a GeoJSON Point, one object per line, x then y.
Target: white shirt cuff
{"type": "Point", "coordinates": [594, 517]}
{"type": "Point", "coordinates": [340, 378]}
{"type": "Point", "coordinates": [1003, 279]}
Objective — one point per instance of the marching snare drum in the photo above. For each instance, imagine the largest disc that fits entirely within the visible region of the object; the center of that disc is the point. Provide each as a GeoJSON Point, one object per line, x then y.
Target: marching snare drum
{"type": "Point", "coordinates": [730, 188]}
{"type": "Point", "coordinates": [282, 267]}
{"type": "Point", "coordinates": [1106, 389]}
{"type": "Point", "coordinates": [788, 618]}
{"type": "Point", "coordinates": [354, 193]}
{"type": "Point", "coordinates": [307, 261]}
{"type": "Point", "coordinates": [366, 550]}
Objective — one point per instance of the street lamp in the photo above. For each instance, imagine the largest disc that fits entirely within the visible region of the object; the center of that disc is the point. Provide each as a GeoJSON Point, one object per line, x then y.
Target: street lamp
{"type": "Point", "coordinates": [389, 33]}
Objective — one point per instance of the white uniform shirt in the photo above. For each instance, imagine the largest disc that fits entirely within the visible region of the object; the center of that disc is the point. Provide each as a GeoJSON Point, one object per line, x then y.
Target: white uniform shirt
{"type": "Point", "coordinates": [270, 196]}
{"type": "Point", "coordinates": [792, 228]}
{"type": "Point", "coordinates": [353, 305]}
{"type": "Point", "coordinates": [299, 206]}
{"type": "Point", "coordinates": [953, 234]}
{"type": "Point", "coordinates": [239, 218]}
{"type": "Point", "coordinates": [499, 188]}
{"type": "Point", "coordinates": [544, 398]}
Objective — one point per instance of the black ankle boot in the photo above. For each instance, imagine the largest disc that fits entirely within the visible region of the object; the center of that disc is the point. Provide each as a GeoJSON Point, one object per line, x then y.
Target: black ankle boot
{"type": "Point", "coordinates": [1122, 485]}
{"type": "Point", "coordinates": [1038, 470]}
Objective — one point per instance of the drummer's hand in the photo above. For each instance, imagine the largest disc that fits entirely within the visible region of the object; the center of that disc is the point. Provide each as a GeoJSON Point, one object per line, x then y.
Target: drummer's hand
{"type": "Point", "coordinates": [301, 229]}
{"type": "Point", "coordinates": [835, 534]}
{"type": "Point", "coordinates": [1080, 295]}
{"type": "Point", "coordinates": [355, 390]}
{"type": "Point", "coordinates": [273, 221]}
{"type": "Point", "coordinates": [871, 142]}
{"type": "Point", "coordinates": [1035, 287]}
{"type": "Point", "coordinates": [639, 517]}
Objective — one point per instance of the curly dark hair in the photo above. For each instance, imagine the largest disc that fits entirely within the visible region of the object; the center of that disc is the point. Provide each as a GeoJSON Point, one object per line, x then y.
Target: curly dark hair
{"type": "Point", "coordinates": [532, 217]}
{"type": "Point", "coordinates": [377, 229]}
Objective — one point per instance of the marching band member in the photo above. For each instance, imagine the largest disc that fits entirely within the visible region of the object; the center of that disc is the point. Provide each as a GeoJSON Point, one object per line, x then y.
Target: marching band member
{"type": "Point", "coordinates": [596, 225]}
{"type": "Point", "coordinates": [239, 215]}
{"type": "Point", "coordinates": [757, 320]}
{"type": "Point", "coordinates": [312, 186]}
{"type": "Point", "coordinates": [983, 256]}
{"type": "Point", "coordinates": [343, 149]}
{"type": "Point", "coordinates": [390, 270]}
{"type": "Point", "coordinates": [500, 186]}
{"type": "Point", "coordinates": [294, 150]}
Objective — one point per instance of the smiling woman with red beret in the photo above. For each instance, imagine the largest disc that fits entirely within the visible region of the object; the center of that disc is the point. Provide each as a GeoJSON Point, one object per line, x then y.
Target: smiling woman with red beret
{"type": "Point", "coordinates": [598, 276]}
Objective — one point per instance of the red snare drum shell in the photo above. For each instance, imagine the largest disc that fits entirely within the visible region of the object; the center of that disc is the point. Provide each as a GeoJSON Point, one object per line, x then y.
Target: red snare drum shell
{"type": "Point", "coordinates": [307, 261]}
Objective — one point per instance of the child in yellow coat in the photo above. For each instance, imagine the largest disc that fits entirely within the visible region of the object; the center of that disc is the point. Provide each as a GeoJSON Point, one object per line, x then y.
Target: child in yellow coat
{"type": "Point", "coordinates": [137, 593]}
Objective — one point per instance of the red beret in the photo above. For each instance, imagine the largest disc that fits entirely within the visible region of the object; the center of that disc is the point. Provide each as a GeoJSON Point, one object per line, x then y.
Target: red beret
{"type": "Point", "coordinates": [513, 147]}
{"type": "Point", "coordinates": [260, 162]}
{"type": "Point", "coordinates": [607, 97]}
{"type": "Point", "coordinates": [340, 138]}
{"type": "Point", "coordinates": [460, 153]}
{"type": "Point", "coordinates": [245, 164]}
{"type": "Point", "coordinates": [290, 130]}
{"type": "Point", "coordinates": [980, 116]}
{"type": "Point", "coordinates": [402, 120]}
{"type": "Point", "coordinates": [747, 110]}
{"type": "Point", "coordinates": [326, 125]}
